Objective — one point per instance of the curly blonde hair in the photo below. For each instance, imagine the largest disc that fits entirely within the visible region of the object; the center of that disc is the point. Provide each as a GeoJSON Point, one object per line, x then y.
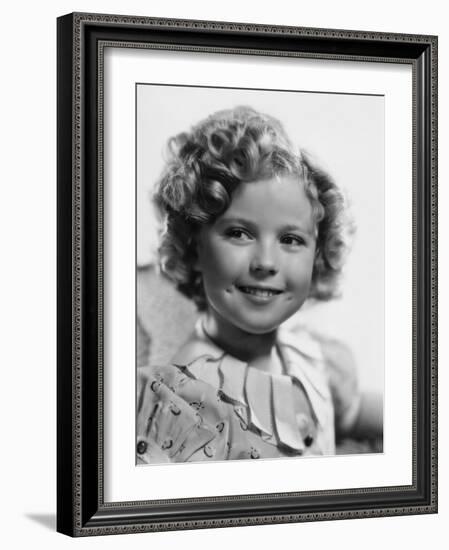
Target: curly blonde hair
{"type": "Point", "coordinates": [204, 168]}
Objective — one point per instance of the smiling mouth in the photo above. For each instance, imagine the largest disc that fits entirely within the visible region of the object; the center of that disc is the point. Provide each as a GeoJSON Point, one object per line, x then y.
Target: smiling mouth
{"type": "Point", "coordinates": [258, 291]}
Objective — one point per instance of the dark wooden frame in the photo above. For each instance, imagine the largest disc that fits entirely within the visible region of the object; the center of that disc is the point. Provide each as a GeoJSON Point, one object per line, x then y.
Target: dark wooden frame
{"type": "Point", "coordinates": [81, 509]}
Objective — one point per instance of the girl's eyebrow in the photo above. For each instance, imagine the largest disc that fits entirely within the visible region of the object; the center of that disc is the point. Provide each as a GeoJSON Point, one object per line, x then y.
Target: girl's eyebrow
{"type": "Point", "coordinates": [292, 227]}
{"type": "Point", "coordinates": [241, 221]}
{"type": "Point", "coordinates": [253, 226]}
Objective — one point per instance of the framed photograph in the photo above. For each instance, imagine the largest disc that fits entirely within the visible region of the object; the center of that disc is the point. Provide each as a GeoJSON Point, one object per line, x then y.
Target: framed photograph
{"type": "Point", "coordinates": [247, 274]}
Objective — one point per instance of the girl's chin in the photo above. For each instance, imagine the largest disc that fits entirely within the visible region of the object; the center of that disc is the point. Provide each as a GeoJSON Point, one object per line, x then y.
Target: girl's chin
{"type": "Point", "coordinates": [256, 322]}
{"type": "Point", "coordinates": [258, 328]}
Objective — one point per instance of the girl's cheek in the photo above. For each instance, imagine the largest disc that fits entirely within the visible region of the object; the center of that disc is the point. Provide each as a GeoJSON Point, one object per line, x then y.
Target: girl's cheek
{"type": "Point", "coordinates": [301, 271]}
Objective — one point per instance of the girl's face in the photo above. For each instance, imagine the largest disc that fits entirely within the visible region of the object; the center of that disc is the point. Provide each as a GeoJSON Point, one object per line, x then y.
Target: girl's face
{"type": "Point", "coordinates": [257, 258]}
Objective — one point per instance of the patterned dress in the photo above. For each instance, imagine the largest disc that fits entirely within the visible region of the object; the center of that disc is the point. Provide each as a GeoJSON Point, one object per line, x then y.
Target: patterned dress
{"type": "Point", "coordinates": [208, 405]}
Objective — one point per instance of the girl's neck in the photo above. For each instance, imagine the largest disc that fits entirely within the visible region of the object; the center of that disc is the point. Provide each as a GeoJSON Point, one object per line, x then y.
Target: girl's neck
{"type": "Point", "coordinates": [259, 350]}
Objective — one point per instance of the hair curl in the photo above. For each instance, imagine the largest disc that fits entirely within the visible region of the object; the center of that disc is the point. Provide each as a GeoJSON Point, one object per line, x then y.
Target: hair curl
{"type": "Point", "coordinates": [207, 164]}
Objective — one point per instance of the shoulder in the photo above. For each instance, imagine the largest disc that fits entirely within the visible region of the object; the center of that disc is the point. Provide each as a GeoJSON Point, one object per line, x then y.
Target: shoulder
{"type": "Point", "coordinates": [343, 376]}
{"type": "Point", "coordinates": [300, 340]}
{"type": "Point", "coordinates": [194, 364]}
{"type": "Point", "coordinates": [197, 346]}
{"type": "Point", "coordinates": [194, 351]}
{"type": "Point", "coordinates": [321, 352]}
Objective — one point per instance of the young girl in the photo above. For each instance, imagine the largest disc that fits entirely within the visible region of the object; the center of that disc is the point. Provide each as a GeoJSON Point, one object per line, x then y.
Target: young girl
{"type": "Point", "coordinates": [251, 231]}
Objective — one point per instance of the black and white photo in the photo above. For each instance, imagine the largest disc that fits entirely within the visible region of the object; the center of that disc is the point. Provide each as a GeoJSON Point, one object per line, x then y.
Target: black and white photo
{"type": "Point", "coordinates": [260, 258]}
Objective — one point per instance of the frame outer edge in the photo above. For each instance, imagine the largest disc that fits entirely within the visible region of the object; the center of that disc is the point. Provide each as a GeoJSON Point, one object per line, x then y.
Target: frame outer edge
{"type": "Point", "coordinates": [434, 271]}
{"type": "Point", "coordinates": [78, 153]}
{"type": "Point", "coordinates": [426, 268]}
{"type": "Point", "coordinates": [69, 440]}
{"type": "Point", "coordinates": [65, 433]}
{"type": "Point", "coordinates": [260, 28]}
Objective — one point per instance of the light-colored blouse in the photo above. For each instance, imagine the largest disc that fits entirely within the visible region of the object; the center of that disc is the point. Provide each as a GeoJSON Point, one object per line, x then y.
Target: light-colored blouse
{"type": "Point", "coordinates": [208, 405]}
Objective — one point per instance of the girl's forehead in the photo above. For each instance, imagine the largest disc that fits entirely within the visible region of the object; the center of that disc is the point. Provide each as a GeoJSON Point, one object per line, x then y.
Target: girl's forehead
{"type": "Point", "coordinates": [274, 199]}
{"type": "Point", "coordinates": [278, 191]}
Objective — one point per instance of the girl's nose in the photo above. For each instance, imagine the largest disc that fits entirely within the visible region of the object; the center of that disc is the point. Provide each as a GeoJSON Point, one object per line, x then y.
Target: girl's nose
{"type": "Point", "coordinates": [264, 262]}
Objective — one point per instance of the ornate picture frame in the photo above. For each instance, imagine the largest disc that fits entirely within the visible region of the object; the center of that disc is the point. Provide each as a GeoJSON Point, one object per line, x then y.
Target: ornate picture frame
{"type": "Point", "coordinates": [82, 508]}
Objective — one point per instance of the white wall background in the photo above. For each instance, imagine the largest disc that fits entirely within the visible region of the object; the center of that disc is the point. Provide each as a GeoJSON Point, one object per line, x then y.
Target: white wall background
{"type": "Point", "coordinates": [28, 282]}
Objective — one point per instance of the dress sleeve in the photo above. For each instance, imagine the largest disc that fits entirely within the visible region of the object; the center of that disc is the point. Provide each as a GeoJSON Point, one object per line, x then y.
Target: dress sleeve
{"type": "Point", "coordinates": [169, 429]}
{"type": "Point", "coordinates": [343, 382]}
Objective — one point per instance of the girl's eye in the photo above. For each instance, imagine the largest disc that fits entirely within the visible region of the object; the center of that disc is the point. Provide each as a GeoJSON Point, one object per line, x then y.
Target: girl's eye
{"type": "Point", "coordinates": [292, 240]}
{"type": "Point", "coordinates": [238, 234]}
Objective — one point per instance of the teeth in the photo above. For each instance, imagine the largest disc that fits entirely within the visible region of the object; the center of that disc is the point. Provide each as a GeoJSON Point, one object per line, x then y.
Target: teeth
{"type": "Point", "coordinates": [259, 291]}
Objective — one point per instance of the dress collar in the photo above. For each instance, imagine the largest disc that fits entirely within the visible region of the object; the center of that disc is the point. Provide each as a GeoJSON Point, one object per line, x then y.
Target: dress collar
{"type": "Point", "coordinates": [266, 400]}
{"type": "Point", "coordinates": [199, 344]}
